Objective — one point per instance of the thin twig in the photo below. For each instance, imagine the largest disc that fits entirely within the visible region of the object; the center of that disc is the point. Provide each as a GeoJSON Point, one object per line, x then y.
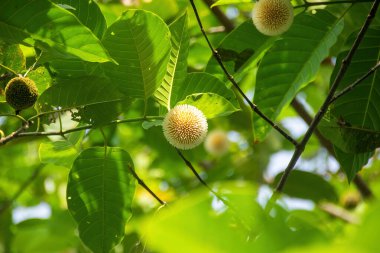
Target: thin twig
{"type": "Point", "coordinates": [363, 188]}
{"type": "Point", "coordinates": [141, 182]}
{"type": "Point", "coordinates": [22, 188]}
{"type": "Point", "coordinates": [338, 212]}
{"type": "Point", "coordinates": [343, 68]}
{"type": "Point", "coordinates": [353, 85]}
{"type": "Point", "coordinates": [191, 167]}
{"type": "Point", "coordinates": [235, 84]}
{"type": "Point", "coordinates": [20, 132]}
{"type": "Point", "coordinates": [310, 4]}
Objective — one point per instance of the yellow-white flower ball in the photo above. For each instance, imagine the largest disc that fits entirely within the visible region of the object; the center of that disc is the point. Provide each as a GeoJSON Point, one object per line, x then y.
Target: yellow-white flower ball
{"type": "Point", "coordinates": [272, 17]}
{"type": "Point", "coordinates": [217, 143]}
{"type": "Point", "coordinates": [185, 126]}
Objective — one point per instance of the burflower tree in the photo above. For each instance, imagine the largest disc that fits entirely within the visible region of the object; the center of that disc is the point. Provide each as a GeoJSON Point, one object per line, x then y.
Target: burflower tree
{"type": "Point", "coordinates": [189, 126]}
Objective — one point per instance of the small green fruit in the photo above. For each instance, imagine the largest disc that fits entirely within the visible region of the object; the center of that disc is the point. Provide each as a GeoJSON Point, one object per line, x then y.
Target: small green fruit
{"type": "Point", "coordinates": [21, 93]}
{"type": "Point", "coordinates": [272, 17]}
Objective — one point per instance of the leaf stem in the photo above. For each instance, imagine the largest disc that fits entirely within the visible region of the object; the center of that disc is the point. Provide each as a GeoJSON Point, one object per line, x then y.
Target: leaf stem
{"type": "Point", "coordinates": [318, 117]}
{"type": "Point", "coordinates": [235, 84]}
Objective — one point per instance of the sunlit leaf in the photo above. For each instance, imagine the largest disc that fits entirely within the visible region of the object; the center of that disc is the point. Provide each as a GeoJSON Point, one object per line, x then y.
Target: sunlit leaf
{"type": "Point", "coordinates": [45, 25]}
{"type": "Point", "coordinates": [96, 99]}
{"type": "Point", "coordinates": [177, 66]}
{"type": "Point", "coordinates": [292, 62]}
{"type": "Point", "coordinates": [202, 83]}
{"type": "Point", "coordinates": [140, 42]}
{"type": "Point", "coordinates": [99, 196]}
{"type": "Point", "coordinates": [211, 104]}
{"type": "Point", "coordinates": [224, 2]}
{"type": "Point", "coordinates": [88, 12]}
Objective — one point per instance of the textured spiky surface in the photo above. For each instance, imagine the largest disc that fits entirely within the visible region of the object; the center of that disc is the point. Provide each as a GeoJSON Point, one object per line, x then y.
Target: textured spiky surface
{"type": "Point", "coordinates": [185, 126]}
{"type": "Point", "coordinates": [21, 93]}
{"type": "Point", "coordinates": [217, 142]}
{"type": "Point", "coordinates": [272, 17]}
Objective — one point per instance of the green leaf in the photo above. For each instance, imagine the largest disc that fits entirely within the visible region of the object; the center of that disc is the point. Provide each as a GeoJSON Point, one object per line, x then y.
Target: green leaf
{"type": "Point", "coordinates": [177, 66]}
{"type": "Point", "coordinates": [349, 139]}
{"type": "Point", "coordinates": [99, 196]}
{"type": "Point", "coordinates": [211, 104]}
{"type": "Point", "coordinates": [240, 50]}
{"type": "Point", "coordinates": [351, 163]}
{"type": "Point", "coordinates": [41, 77]}
{"type": "Point", "coordinates": [12, 57]}
{"type": "Point", "coordinates": [306, 185]}
{"type": "Point", "coordinates": [360, 107]}
{"type": "Point", "coordinates": [88, 13]}
{"type": "Point", "coordinates": [292, 63]}
{"type": "Point", "coordinates": [97, 99]}
{"type": "Point", "coordinates": [224, 2]}
{"type": "Point", "coordinates": [202, 83]}
{"type": "Point", "coordinates": [140, 42]}
{"type": "Point", "coordinates": [62, 152]}
{"type": "Point", "coordinates": [43, 24]}
{"type": "Point", "coordinates": [184, 224]}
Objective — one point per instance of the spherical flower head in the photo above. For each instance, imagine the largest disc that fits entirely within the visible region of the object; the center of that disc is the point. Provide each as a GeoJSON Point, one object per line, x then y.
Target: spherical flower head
{"type": "Point", "coordinates": [217, 143]}
{"type": "Point", "coordinates": [185, 126]}
{"type": "Point", "coordinates": [272, 17]}
{"type": "Point", "coordinates": [21, 93]}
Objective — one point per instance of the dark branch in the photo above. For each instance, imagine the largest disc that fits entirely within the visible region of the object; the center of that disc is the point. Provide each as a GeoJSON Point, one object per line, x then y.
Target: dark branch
{"type": "Point", "coordinates": [343, 68]}
{"type": "Point", "coordinates": [141, 182]}
{"type": "Point", "coordinates": [235, 84]}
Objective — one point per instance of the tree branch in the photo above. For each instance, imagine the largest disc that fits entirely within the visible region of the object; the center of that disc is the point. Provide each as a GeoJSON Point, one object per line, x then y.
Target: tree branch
{"type": "Point", "coordinates": [234, 83]}
{"type": "Point", "coordinates": [141, 182]}
{"type": "Point", "coordinates": [345, 63]}
{"type": "Point", "coordinates": [14, 135]}
{"type": "Point", "coordinates": [363, 188]}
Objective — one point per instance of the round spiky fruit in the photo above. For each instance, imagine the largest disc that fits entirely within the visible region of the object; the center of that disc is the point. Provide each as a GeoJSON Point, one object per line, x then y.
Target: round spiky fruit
{"type": "Point", "coordinates": [185, 126]}
{"type": "Point", "coordinates": [217, 142]}
{"type": "Point", "coordinates": [21, 93]}
{"type": "Point", "coordinates": [273, 17]}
